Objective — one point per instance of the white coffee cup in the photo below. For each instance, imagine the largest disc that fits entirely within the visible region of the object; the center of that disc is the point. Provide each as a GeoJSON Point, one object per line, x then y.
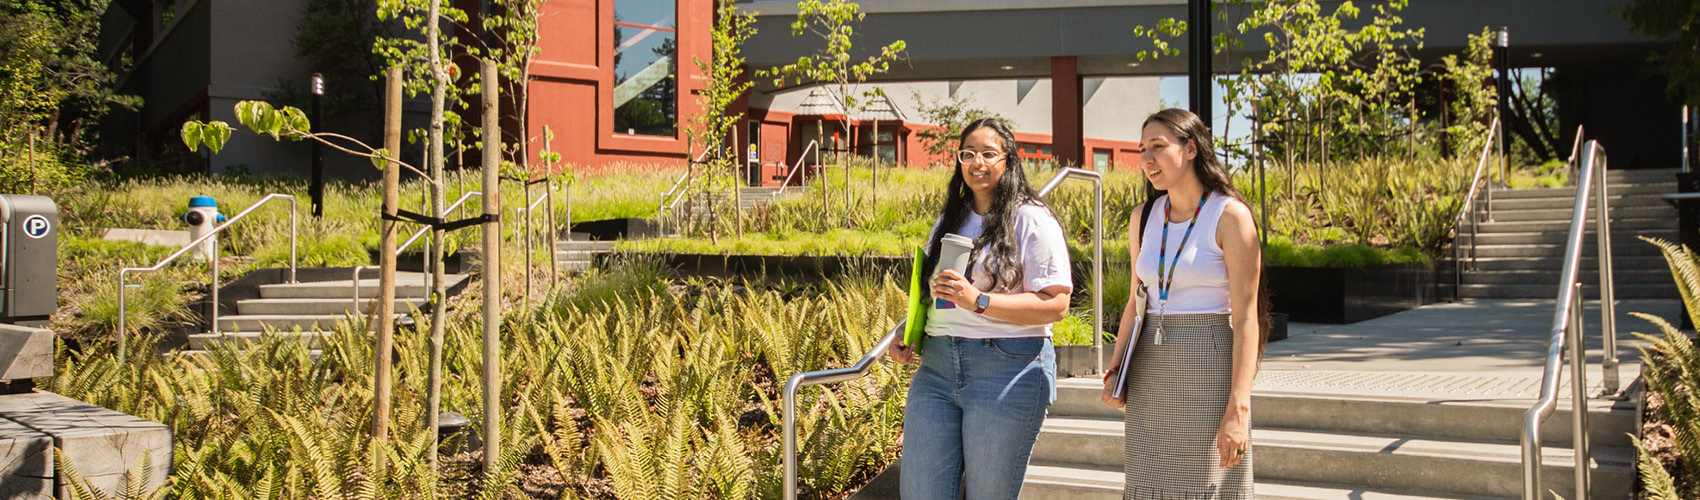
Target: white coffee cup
{"type": "Point", "coordinates": [954, 253]}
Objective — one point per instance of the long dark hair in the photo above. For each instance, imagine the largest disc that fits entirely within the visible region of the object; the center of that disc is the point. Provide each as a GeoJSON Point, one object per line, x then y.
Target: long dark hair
{"type": "Point", "coordinates": [1208, 168]}
{"type": "Point", "coordinates": [998, 240]}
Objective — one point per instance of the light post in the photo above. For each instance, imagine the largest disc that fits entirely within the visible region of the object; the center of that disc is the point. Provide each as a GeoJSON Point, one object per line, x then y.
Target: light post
{"type": "Point", "coordinates": [1502, 84]}
{"type": "Point", "coordinates": [316, 190]}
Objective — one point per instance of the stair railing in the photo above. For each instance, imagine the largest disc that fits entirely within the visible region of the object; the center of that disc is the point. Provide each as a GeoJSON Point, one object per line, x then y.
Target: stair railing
{"type": "Point", "coordinates": [813, 145]}
{"type": "Point", "coordinates": [675, 195]}
{"type": "Point", "coordinates": [1575, 147]}
{"type": "Point", "coordinates": [1464, 213]}
{"type": "Point", "coordinates": [1567, 331]}
{"type": "Point", "coordinates": [861, 367]}
{"type": "Point", "coordinates": [213, 261]}
{"type": "Point", "coordinates": [355, 279]}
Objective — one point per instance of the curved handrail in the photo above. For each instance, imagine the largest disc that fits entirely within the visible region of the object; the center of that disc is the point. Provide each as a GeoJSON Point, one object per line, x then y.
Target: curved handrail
{"type": "Point", "coordinates": [1463, 212]}
{"type": "Point", "coordinates": [819, 377]}
{"type": "Point", "coordinates": [1097, 252]}
{"type": "Point", "coordinates": [1567, 328]}
{"type": "Point", "coordinates": [355, 280]}
{"type": "Point", "coordinates": [293, 226]}
{"type": "Point", "coordinates": [794, 168]}
{"type": "Point", "coordinates": [861, 367]}
{"type": "Point", "coordinates": [677, 192]}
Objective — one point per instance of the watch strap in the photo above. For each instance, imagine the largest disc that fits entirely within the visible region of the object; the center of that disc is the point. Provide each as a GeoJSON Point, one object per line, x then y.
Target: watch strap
{"type": "Point", "coordinates": [982, 303]}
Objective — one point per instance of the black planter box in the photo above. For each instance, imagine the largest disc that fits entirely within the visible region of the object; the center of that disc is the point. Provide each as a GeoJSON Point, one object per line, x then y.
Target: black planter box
{"type": "Point", "coordinates": [618, 229]}
{"type": "Point", "coordinates": [1349, 295]}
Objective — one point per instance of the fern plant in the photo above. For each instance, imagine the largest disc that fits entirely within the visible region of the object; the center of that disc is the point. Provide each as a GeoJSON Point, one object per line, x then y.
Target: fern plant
{"type": "Point", "coordinates": [1670, 467]}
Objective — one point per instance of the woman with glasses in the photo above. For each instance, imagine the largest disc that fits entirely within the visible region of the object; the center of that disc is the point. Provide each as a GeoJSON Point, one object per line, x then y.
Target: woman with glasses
{"type": "Point", "coordinates": [1188, 392]}
{"type": "Point", "coordinates": [988, 371]}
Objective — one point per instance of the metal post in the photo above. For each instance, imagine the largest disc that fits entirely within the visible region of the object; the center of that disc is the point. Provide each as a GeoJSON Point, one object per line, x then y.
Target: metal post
{"type": "Point", "coordinates": [1198, 58]}
{"type": "Point", "coordinates": [1098, 274]}
{"type": "Point", "coordinates": [1502, 61]}
{"type": "Point", "coordinates": [1579, 390]}
{"type": "Point", "coordinates": [1608, 295]}
{"type": "Point", "coordinates": [316, 189]}
{"type": "Point", "coordinates": [123, 348]}
{"type": "Point", "coordinates": [1685, 133]}
{"type": "Point", "coordinates": [790, 408]}
{"type": "Point", "coordinates": [214, 261]}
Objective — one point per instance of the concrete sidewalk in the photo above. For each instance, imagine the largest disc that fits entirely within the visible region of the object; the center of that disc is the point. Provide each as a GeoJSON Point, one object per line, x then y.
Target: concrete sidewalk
{"type": "Point", "coordinates": [1474, 349]}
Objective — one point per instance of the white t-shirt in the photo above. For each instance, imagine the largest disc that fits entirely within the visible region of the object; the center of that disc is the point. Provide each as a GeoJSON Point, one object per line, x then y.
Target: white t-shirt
{"type": "Point", "coordinates": [1044, 263]}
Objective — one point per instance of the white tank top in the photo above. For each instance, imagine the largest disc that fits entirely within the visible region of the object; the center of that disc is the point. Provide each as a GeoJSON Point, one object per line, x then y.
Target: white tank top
{"type": "Point", "coordinates": [1201, 278]}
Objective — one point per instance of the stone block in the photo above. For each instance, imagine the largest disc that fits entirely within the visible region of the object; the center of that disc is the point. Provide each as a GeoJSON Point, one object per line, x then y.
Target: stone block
{"type": "Point", "coordinates": [101, 443]}
{"type": "Point", "coordinates": [25, 353]}
{"type": "Point", "coordinates": [26, 462]}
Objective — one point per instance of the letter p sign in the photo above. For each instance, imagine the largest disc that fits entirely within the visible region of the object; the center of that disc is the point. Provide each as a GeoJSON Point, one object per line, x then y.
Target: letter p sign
{"type": "Point", "coordinates": [37, 226]}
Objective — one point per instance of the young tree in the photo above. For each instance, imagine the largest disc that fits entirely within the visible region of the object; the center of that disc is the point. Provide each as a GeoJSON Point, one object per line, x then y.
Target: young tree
{"type": "Point", "coordinates": [713, 126]}
{"type": "Point", "coordinates": [951, 114]}
{"type": "Point", "coordinates": [834, 21]}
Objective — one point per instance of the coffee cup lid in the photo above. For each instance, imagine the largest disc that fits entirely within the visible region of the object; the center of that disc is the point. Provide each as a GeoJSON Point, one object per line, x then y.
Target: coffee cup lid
{"type": "Point", "coordinates": [957, 239]}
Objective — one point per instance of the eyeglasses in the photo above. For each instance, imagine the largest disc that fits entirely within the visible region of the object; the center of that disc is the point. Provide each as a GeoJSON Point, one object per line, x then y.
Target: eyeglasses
{"type": "Point", "coordinates": [970, 156]}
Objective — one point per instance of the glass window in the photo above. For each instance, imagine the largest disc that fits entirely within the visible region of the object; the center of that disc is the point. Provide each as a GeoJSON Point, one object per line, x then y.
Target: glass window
{"type": "Point", "coordinates": [1100, 159]}
{"type": "Point", "coordinates": [645, 67]}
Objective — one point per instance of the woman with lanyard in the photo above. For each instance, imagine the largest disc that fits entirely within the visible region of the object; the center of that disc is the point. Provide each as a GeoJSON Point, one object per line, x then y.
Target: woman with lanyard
{"type": "Point", "coordinates": [1188, 398]}
{"type": "Point", "coordinates": [988, 370]}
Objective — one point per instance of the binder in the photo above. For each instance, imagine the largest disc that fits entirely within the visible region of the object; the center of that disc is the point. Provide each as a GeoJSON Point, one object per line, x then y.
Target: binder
{"type": "Point", "coordinates": [920, 300]}
{"type": "Point", "coordinates": [1126, 355]}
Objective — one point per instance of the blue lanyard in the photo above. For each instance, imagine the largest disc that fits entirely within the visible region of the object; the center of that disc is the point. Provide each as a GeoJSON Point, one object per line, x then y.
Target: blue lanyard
{"type": "Point", "coordinates": [1163, 285]}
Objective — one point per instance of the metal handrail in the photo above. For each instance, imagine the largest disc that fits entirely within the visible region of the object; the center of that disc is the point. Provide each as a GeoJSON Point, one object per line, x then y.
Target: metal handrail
{"type": "Point", "coordinates": [820, 377]}
{"type": "Point", "coordinates": [355, 279]}
{"type": "Point", "coordinates": [1575, 147]}
{"type": "Point", "coordinates": [1097, 252]}
{"type": "Point", "coordinates": [1567, 328]}
{"type": "Point", "coordinates": [862, 366]}
{"type": "Point", "coordinates": [794, 168]}
{"type": "Point", "coordinates": [293, 225]}
{"type": "Point", "coordinates": [1458, 222]}
{"type": "Point", "coordinates": [677, 192]}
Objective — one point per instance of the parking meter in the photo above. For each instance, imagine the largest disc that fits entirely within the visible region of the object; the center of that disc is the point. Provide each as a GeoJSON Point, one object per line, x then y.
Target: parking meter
{"type": "Point", "coordinates": [29, 259]}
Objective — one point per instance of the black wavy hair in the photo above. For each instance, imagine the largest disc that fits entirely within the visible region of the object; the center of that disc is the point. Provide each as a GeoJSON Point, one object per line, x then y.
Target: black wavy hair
{"type": "Point", "coordinates": [1209, 169]}
{"type": "Point", "coordinates": [997, 242]}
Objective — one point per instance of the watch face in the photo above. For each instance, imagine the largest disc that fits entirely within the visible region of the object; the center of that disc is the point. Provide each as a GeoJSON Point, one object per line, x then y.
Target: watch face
{"type": "Point", "coordinates": [983, 301]}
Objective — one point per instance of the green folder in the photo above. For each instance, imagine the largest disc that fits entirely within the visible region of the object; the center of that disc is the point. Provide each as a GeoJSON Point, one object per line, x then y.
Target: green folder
{"type": "Point", "coordinates": [920, 300]}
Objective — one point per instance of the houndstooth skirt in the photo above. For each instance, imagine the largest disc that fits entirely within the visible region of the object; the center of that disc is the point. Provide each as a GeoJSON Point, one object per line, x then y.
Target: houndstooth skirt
{"type": "Point", "coordinates": [1177, 393]}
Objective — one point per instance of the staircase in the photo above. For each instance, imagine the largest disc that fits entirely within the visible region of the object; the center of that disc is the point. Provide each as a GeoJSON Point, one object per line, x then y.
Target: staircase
{"type": "Point", "coordinates": [751, 197]}
{"type": "Point", "coordinates": [578, 251]}
{"type": "Point", "coordinates": [1520, 252]}
{"type": "Point", "coordinates": [307, 308]}
{"type": "Point", "coordinates": [1339, 446]}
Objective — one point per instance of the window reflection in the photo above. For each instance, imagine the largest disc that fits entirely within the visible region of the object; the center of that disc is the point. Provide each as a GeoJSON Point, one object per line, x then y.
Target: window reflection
{"type": "Point", "coordinates": [645, 68]}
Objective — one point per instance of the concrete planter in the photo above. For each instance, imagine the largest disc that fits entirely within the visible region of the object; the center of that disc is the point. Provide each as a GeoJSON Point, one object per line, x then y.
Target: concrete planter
{"type": "Point", "coordinates": [760, 267]}
{"type": "Point", "coordinates": [1349, 295]}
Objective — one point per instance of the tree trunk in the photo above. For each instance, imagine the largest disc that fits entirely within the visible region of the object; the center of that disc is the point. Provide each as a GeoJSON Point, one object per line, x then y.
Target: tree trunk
{"type": "Point", "coordinates": [439, 240]}
{"type": "Point", "coordinates": [385, 319]}
{"type": "Point", "coordinates": [492, 274]}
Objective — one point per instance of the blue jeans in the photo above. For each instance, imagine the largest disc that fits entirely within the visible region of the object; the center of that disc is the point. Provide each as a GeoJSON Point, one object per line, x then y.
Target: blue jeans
{"type": "Point", "coordinates": [974, 410]}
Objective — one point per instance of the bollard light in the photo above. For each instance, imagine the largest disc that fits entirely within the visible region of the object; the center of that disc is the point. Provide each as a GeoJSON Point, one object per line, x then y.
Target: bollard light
{"type": "Point", "coordinates": [318, 84]}
{"type": "Point", "coordinates": [1504, 39]}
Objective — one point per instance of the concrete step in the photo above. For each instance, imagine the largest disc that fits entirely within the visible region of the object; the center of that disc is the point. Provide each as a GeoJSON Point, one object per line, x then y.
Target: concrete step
{"type": "Point", "coordinates": [317, 306]}
{"type": "Point", "coordinates": [1046, 481]}
{"type": "Point", "coordinates": [1619, 239]}
{"type": "Point", "coordinates": [1384, 461]}
{"type": "Point", "coordinates": [574, 266]}
{"type": "Point", "coordinates": [1569, 202]}
{"type": "Point", "coordinates": [575, 255]}
{"type": "Point", "coordinates": [1078, 398]}
{"type": "Point", "coordinates": [256, 323]}
{"type": "Point", "coordinates": [1625, 247]}
{"type": "Point", "coordinates": [205, 341]}
{"type": "Point", "coordinates": [585, 246]}
{"type": "Point", "coordinates": [1564, 214]}
{"type": "Point", "coordinates": [1645, 188]}
{"type": "Point", "coordinates": [1588, 261]}
{"type": "Point", "coordinates": [1619, 277]}
{"type": "Point", "coordinates": [1550, 290]}
{"type": "Point", "coordinates": [1618, 226]}
{"type": "Point", "coordinates": [409, 285]}
{"type": "Point", "coordinates": [1649, 175]}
